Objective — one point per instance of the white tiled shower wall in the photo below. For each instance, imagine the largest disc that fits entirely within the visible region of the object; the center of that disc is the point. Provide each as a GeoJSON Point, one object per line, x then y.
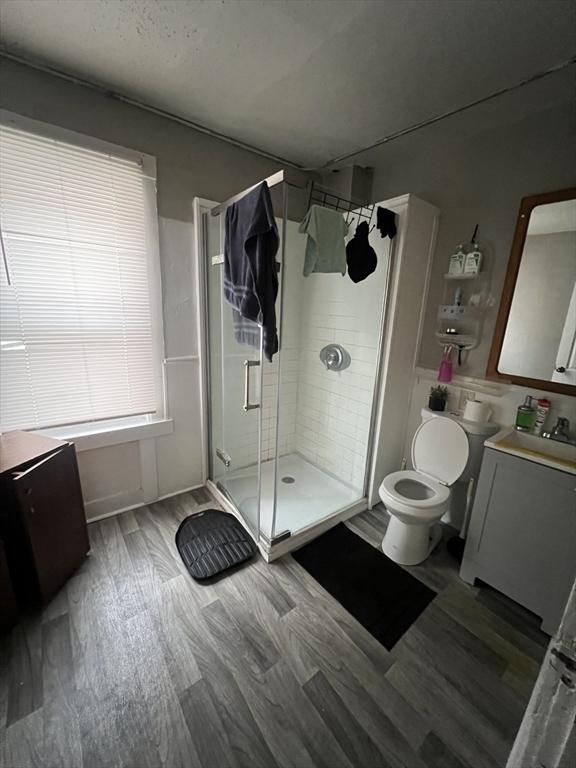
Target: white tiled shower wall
{"type": "Point", "coordinates": [324, 415]}
{"type": "Point", "coordinates": [289, 360]}
{"type": "Point", "coordinates": [333, 408]}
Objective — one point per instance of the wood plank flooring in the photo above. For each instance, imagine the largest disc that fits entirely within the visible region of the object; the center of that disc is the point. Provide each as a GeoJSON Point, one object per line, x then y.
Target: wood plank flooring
{"type": "Point", "coordinates": [135, 664]}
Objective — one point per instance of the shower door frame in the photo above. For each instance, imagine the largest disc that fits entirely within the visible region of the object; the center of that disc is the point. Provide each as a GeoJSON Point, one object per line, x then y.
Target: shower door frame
{"type": "Point", "coordinates": [271, 549]}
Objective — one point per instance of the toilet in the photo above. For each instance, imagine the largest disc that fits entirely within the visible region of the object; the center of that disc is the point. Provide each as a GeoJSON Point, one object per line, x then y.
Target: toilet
{"type": "Point", "coordinates": [417, 499]}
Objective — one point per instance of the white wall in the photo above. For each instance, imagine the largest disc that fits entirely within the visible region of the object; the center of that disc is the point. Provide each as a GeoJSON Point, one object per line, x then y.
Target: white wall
{"type": "Point", "coordinates": [179, 455]}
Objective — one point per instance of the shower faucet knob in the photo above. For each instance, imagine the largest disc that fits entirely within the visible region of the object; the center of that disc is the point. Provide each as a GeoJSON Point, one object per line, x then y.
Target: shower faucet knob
{"type": "Point", "coordinates": [335, 357]}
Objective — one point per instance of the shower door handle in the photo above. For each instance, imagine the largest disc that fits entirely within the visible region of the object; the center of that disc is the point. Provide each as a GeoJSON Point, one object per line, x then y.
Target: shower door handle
{"type": "Point", "coordinates": [223, 456]}
{"type": "Point", "coordinates": [248, 406]}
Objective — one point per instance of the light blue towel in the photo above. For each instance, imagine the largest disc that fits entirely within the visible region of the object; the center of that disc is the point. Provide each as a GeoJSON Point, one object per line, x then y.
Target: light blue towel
{"type": "Point", "coordinates": [325, 250]}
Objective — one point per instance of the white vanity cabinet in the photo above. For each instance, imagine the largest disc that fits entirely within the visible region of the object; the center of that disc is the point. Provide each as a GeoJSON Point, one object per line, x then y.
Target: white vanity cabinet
{"type": "Point", "coordinates": [522, 535]}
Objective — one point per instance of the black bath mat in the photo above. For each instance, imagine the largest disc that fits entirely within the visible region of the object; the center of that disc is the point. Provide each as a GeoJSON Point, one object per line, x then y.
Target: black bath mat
{"type": "Point", "coordinates": [380, 594]}
{"type": "Point", "coordinates": [212, 541]}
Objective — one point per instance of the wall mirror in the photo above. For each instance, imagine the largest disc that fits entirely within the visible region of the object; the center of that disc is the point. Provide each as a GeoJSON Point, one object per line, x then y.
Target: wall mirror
{"type": "Point", "coordinates": [534, 341]}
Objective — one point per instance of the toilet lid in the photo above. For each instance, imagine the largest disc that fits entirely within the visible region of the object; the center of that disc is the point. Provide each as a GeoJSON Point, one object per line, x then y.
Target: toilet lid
{"type": "Point", "coordinates": [440, 449]}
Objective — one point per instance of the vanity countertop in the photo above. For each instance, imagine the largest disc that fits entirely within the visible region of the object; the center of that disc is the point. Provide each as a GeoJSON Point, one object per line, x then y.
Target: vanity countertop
{"type": "Point", "coordinates": [550, 453]}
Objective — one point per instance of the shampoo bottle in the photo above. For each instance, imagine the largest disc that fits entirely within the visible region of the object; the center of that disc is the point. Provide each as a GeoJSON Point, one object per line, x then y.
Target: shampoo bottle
{"type": "Point", "coordinates": [473, 260]}
{"type": "Point", "coordinates": [457, 261]}
{"type": "Point", "coordinates": [542, 409]}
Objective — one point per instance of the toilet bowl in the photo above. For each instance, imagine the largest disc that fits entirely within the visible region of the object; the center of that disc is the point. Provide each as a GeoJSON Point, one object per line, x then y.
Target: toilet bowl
{"type": "Point", "coordinates": [417, 499]}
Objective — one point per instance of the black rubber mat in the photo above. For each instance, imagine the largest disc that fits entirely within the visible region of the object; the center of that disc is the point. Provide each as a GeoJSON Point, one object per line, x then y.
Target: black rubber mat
{"type": "Point", "coordinates": [380, 594]}
{"type": "Point", "coordinates": [211, 541]}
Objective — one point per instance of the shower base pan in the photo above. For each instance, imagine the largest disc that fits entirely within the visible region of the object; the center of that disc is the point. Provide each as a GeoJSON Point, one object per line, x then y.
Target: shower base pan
{"type": "Point", "coordinates": [308, 502]}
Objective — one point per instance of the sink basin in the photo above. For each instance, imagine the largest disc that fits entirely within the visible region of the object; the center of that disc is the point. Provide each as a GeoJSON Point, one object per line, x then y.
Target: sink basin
{"type": "Point", "coordinates": [552, 453]}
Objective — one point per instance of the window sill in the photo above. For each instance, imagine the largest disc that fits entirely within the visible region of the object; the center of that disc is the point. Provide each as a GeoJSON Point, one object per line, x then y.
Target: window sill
{"type": "Point", "coordinates": [87, 437]}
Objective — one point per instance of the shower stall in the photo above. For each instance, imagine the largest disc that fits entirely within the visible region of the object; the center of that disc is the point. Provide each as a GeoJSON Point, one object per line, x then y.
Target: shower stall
{"type": "Point", "coordinates": [290, 442]}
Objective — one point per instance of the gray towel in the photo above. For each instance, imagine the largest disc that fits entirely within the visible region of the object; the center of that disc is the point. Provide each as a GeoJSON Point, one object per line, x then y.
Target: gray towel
{"type": "Point", "coordinates": [325, 251]}
{"type": "Point", "coordinates": [250, 268]}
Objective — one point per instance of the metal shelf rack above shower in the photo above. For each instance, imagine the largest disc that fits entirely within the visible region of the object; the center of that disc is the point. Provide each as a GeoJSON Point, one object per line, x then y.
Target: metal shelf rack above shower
{"type": "Point", "coordinates": [348, 208]}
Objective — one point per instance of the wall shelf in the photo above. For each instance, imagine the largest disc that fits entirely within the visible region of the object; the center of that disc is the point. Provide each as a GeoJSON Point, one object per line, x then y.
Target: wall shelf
{"type": "Point", "coordinates": [465, 318]}
{"type": "Point", "coordinates": [462, 340]}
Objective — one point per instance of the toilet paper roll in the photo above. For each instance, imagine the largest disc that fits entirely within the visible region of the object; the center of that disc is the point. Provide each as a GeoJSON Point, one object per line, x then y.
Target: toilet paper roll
{"type": "Point", "coordinates": [476, 410]}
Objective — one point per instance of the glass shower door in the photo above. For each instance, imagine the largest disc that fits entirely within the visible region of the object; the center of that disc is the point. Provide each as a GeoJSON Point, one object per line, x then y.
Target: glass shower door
{"type": "Point", "coordinates": [235, 386]}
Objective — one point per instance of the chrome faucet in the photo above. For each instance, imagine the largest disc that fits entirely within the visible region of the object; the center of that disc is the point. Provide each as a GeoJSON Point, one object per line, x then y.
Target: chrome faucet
{"type": "Point", "coordinates": [560, 432]}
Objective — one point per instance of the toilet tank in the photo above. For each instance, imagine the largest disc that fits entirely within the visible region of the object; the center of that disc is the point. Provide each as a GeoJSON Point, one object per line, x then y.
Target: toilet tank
{"type": "Point", "coordinates": [461, 500]}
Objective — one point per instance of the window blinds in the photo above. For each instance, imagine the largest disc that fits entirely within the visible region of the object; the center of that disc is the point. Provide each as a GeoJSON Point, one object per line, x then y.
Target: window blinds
{"type": "Point", "coordinates": [75, 318]}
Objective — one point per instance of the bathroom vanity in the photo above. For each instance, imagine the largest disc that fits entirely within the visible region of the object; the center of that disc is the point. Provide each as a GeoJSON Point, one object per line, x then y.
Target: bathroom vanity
{"type": "Point", "coordinates": [522, 535]}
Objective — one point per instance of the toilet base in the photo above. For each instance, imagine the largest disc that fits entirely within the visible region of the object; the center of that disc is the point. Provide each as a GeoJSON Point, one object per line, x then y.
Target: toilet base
{"type": "Point", "coordinates": [409, 544]}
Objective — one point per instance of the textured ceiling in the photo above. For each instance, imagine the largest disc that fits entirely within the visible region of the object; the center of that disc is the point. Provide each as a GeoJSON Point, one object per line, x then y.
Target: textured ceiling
{"type": "Point", "coordinates": [307, 81]}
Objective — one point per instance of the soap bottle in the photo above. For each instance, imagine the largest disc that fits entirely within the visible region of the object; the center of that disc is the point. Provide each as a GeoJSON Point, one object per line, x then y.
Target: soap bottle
{"type": "Point", "coordinates": [526, 416]}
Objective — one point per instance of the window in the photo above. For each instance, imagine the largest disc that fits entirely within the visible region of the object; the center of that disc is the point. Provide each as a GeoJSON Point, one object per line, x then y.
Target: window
{"type": "Point", "coordinates": [79, 328]}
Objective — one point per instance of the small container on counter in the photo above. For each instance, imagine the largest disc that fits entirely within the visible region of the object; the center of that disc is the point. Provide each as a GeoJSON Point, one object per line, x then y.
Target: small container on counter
{"type": "Point", "coordinates": [526, 415]}
{"type": "Point", "coordinates": [542, 410]}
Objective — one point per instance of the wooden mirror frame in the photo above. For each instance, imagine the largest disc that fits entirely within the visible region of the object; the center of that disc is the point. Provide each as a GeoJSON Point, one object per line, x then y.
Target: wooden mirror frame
{"type": "Point", "coordinates": [492, 372]}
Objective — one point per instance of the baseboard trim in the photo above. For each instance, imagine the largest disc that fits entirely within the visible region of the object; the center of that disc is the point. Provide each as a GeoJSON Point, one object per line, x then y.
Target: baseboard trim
{"type": "Point", "coordinates": [115, 512]}
{"type": "Point", "coordinates": [183, 490]}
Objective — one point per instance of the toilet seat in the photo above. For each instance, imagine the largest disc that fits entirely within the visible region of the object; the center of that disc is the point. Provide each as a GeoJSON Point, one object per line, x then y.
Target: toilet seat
{"type": "Point", "coordinates": [391, 493]}
{"type": "Point", "coordinates": [440, 449]}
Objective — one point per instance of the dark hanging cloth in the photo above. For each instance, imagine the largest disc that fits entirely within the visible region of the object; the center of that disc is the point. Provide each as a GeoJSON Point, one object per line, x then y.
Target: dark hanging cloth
{"type": "Point", "coordinates": [250, 268]}
{"type": "Point", "coordinates": [360, 256]}
{"type": "Point", "coordinates": [386, 222]}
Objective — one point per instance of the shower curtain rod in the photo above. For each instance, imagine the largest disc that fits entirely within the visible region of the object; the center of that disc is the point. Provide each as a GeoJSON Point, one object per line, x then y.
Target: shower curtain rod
{"type": "Point", "coordinates": [291, 177]}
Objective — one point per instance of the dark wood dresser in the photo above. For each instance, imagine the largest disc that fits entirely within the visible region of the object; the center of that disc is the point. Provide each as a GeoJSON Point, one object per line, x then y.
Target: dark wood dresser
{"type": "Point", "coordinates": [8, 604]}
{"type": "Point", "coordinates": [42, 521]}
